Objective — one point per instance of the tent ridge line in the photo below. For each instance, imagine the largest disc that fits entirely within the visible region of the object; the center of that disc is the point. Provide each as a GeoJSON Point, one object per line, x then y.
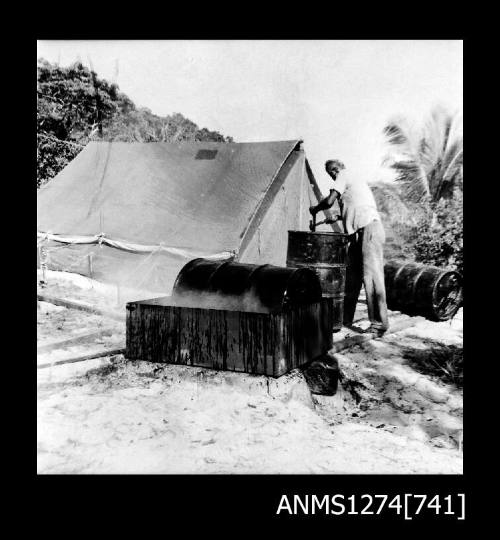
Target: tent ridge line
{"type": "Point", "coordinates": [252, 223]}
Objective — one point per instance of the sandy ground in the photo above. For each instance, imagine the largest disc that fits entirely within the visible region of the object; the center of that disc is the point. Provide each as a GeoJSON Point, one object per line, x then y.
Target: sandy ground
{"type": "Point", "coordinates": [114, 416]}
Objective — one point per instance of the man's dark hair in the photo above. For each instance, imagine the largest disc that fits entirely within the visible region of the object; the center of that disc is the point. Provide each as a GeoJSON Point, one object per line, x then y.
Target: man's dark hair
{"type": "Point", "coordinates": [331, 163]}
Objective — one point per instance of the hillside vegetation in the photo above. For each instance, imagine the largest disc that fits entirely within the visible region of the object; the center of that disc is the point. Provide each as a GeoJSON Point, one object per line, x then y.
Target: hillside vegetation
{"type": "Point", "coordinates": [75, 106]}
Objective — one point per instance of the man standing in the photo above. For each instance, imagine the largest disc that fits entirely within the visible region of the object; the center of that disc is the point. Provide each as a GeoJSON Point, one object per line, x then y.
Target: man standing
{"type": "Point", "coordinates": [365, 252]}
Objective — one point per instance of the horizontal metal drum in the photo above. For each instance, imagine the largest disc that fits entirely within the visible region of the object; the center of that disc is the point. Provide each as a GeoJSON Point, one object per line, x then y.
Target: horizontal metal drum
{"type": "Point", "coordinates": [259, 319]}
{"type": "Point", "coordinates": [325, 254]}
{"type": "Point", "coordinates": [247, 287]}
{"type": "Point", "coordinates": [418, 289]}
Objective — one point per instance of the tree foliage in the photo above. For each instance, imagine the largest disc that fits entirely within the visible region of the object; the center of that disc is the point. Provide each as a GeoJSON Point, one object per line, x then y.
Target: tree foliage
{"type": "Point", "coordinates": [399, 219]}
{"type": "Point", "coordinates": [75, 106]}
{"type": "Point", "coordinates": [423, 210]}
{"type": "Point", "coordinates": [413, 234]}
{"type": "Point", "coordinates": [443, 243]}
{"type": "Point", "coordinates": [427, 161]}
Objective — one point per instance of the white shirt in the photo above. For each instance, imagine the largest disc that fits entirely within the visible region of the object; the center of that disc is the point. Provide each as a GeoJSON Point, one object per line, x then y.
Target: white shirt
{"type": "Point", "coordinates": [357, 203]}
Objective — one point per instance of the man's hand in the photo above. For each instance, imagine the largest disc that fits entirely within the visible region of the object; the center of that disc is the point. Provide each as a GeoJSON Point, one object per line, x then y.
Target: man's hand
{"type": "Point", "coordinates": [331, 220]}
{"type": "Point", "coordinates": [313, 210]}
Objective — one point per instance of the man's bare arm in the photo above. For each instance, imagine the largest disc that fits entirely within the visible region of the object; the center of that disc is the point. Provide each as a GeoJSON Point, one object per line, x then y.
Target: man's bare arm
{"type": "Point", "coordinates": [326, 203]}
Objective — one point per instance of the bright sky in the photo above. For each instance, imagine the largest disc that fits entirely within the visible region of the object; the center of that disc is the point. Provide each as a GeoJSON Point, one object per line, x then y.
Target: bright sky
{"type": "Point", "coordinates": [334, 95]}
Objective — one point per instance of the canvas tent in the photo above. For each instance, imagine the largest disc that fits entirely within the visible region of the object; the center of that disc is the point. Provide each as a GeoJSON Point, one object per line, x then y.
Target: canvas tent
{"type": "Point", "coordinates": [134, 213]}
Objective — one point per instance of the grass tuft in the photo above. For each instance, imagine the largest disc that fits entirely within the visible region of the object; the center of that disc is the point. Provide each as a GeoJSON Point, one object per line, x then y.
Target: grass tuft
{"type": "Point", "coordinates": [445, 362]}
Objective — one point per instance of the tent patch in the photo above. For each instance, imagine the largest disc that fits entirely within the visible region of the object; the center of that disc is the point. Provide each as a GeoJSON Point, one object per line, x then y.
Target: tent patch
{"type": "Point", "coordinates": [206, 154]}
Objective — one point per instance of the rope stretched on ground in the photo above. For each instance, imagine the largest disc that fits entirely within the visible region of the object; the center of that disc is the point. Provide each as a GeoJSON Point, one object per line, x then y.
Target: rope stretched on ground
{"type": "Point", "coordinates": [133, 248]}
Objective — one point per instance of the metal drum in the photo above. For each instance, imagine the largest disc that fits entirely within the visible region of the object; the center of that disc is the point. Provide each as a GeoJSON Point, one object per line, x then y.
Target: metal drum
{"type": "Point", "coordinates": [417, 289]}
{"type": "Point", "coordinates": [246, 287]}
{"type": "Point", "coordinates": [325, 253]}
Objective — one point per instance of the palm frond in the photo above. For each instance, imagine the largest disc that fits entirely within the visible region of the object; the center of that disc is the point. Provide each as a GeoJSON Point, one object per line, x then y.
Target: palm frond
{"type": "Point", "coordinates": [427, 154]}
{"type": "Point", "coordinates": [400, 135]}
{"type": "Point", "coordinates": [448, 167]}
{"type": "Point", "coordinates": [428, 163]}
{"type": "Point", "coordinates": [395, 134]}
{"type": "Point", "coordinates": [413, 180]}
{"type": "Point", "coordinates": [453, 159]}
{"type": "Point", "coordinates": [447, 123]}
{"type": "Point", "coordinates": [401, 141]}
{"type": "Point", "coordinates": [440, 123]}
{"type": "Point", "coordinates": [436, 132]}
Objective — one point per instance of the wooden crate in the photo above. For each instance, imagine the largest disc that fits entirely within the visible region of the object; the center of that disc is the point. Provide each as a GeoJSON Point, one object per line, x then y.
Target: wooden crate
{"type": "Point", "coordinates": [161, 330]}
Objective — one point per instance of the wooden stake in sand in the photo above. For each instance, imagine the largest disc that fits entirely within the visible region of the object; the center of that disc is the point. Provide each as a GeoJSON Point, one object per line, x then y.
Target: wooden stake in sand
{"type": "Point", "coordinates": [99, 354]}
{"type": "Point", "coordinates": [82, 306]}
{"type": "Point", "coordinates": [42, 257]}
{"type": "Point", "coordinates": [79, 338]}
{"type": "Point", "coordinates": [91, 268]}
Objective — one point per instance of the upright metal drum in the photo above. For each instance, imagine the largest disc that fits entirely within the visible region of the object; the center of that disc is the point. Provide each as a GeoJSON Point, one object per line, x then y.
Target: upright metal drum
{"type": "Point", "coordinates": [325, 253]}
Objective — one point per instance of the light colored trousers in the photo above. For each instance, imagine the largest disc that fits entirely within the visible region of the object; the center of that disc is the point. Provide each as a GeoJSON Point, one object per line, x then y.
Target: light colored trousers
{"type": "Point", "coordinates": [365, 265]}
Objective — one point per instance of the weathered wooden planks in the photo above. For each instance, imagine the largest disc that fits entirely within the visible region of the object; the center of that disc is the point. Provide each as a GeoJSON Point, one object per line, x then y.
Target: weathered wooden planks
{"type": "Point", "coordinates": [250, 342]}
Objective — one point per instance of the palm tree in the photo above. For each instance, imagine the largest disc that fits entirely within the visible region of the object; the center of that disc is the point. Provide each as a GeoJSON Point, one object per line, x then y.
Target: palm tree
{"type": "Point", "coordinates": [428, 162]}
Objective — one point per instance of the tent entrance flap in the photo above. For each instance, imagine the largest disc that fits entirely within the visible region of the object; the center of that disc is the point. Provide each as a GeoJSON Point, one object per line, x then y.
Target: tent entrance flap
{"type": "Point", "coordinates": [268, 199]}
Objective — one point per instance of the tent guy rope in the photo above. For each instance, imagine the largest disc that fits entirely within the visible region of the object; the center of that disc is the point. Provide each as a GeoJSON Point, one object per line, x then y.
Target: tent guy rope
{"type": "Point", "coordinates": [132, 247]}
